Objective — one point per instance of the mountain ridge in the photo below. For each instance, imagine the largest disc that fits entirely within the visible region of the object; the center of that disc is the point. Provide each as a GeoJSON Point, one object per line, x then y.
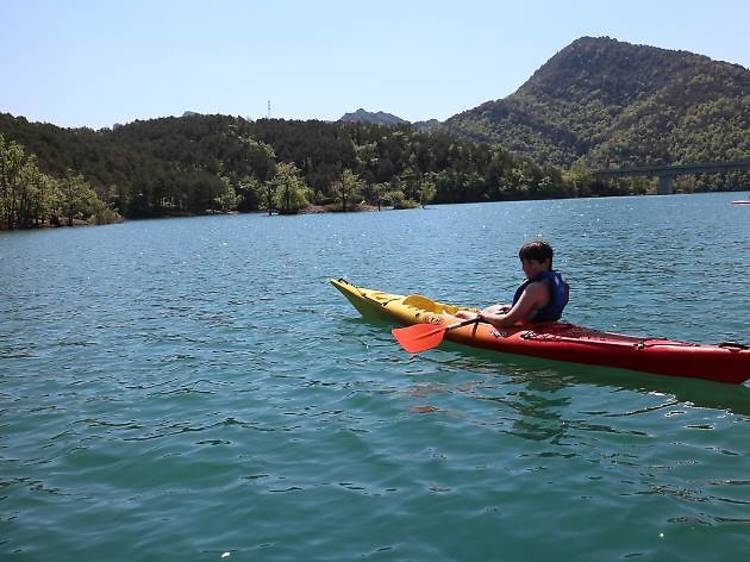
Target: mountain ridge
{"type": "Point", "coordinates": [606, 101]}
{"type": "Point", "coordinates": [601, 99]}
{"type": "Point", "coordinates": [375, 118]}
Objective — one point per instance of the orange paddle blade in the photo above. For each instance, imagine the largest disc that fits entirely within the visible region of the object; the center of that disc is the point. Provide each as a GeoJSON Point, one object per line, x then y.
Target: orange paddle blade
{"type": "Point", "coordinates": [419, 337]}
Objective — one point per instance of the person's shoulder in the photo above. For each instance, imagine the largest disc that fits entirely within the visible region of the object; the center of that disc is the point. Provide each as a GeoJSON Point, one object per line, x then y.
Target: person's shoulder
{"type": "Point", "coordinates": [538, 286]}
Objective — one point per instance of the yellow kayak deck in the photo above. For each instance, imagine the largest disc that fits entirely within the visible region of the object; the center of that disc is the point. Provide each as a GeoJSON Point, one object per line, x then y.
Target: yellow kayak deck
{"type": "Point", "coordinates": [409, 309]}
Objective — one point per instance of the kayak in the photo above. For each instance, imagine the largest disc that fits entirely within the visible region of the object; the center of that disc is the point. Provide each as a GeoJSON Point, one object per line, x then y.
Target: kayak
{"type": "Point", "coordinates": [741, 202]}
{"type": "Point", "coordinates": [727, 362]}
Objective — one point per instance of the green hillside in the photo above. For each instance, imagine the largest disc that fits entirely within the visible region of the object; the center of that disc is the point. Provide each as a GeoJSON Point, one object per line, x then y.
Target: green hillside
{"type": "Point", "coordinates": [610, 101]}
{"type": "Point", "coordinates": [206, 163]}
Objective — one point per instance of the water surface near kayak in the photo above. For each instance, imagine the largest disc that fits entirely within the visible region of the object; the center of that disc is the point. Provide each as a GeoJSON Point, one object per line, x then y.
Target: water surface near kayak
{"type": "Point", "coordinates": [183, 389]}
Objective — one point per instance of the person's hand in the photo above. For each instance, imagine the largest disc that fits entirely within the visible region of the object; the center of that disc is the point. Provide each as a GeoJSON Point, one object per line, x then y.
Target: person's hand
{"type": "Point", "coordinates": [496, 309]}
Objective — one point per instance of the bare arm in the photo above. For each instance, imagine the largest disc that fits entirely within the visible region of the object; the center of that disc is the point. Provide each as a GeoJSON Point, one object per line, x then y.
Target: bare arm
{"type": "Point", "coordinates": [533, 298]}
{"type": "Point", "coordinates": [494, 309]}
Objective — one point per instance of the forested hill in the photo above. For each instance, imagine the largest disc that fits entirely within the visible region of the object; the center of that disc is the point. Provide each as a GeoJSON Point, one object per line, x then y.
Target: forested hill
{"type": "Point", "coordinates": [199, 163]}
{"type": "Point", "coordinates": [610, 101]}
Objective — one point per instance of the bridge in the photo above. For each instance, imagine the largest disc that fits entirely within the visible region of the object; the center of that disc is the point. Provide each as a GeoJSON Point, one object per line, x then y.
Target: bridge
{"type": "Point", "coordinates": [666, 174]}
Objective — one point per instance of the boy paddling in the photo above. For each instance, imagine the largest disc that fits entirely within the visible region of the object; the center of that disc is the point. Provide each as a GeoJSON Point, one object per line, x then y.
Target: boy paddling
{"type": "Point", "coordinates": [541, 298]}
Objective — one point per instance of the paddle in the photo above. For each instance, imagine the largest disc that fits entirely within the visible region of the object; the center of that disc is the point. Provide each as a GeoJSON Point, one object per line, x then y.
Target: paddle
{"type": "Point", "coordinates": [421, 337]}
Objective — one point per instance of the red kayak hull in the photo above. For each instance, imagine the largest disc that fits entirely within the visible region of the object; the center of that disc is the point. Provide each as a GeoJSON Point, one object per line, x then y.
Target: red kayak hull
{"type": "Point", "coordinates": [729, 363]}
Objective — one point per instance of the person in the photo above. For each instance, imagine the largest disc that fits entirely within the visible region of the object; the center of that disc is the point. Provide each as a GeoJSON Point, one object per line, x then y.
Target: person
{"type": "Point", "coordinates": [541, 298]}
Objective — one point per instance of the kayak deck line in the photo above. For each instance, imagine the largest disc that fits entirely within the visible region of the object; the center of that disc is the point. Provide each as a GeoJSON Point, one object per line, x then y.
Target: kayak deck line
{"type": "Point", "coordinates": [618, 340]}
{"type": "Point", "coordinates": [587, 340]}
{"type": "Point", "coordinates": [726, 362]}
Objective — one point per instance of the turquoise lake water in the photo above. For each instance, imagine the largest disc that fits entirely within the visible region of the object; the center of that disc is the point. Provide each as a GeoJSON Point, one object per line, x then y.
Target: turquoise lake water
{"type": "Point", "coordinates": [193, 389]}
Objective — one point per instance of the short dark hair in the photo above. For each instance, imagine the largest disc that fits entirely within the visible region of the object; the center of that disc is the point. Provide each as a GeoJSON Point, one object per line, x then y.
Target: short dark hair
{"type": "Point", "coordinates": [538, 250]}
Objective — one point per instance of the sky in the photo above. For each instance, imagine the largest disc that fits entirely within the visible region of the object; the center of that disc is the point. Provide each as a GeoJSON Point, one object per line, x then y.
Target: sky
{"type": "Point", "coordinates": [84, 63]}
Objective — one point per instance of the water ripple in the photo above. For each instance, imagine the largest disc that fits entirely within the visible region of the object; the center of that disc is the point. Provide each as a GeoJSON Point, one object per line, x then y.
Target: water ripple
{"type": "Point", "coordinates": [194, 388]}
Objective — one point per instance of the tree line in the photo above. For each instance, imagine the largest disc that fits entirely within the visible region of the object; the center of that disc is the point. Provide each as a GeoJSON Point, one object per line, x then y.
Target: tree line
{"type": "Point", "coordinates": [29, 197]}
{"type": "Point", "coordinates": [215, 163]}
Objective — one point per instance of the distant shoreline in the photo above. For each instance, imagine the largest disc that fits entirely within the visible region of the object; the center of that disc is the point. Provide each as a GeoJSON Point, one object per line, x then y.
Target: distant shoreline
{"type": "Point", "coordinates": [336, 208]}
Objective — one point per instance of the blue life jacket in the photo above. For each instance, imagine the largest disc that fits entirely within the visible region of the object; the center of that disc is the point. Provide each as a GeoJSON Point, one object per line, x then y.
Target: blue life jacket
{"type": "Point", "coordinates": [559, 292]}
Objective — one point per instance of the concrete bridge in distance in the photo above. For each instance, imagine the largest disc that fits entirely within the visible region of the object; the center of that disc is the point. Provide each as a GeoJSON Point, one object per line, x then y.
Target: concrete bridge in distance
{"type": "Point", "coordinates": [666, 174]}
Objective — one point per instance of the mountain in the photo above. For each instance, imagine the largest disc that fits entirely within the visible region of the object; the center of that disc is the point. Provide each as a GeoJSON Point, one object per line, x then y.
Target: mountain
{"type": "Point", "coordinates": [389, 120]}
{"type": "Point", "coordinates": [606, 101]}
{"type": "Point", "coordinates": [429, 125]}
{"type": "Point", "coordinates": [379, 118]}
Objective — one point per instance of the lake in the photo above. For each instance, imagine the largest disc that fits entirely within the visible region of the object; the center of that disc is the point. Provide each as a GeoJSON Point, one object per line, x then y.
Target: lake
{"type": "Point", "coordinates": [194, 389]}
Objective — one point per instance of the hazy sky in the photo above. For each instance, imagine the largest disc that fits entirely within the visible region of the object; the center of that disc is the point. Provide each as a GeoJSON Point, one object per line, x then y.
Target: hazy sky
{"type": "Point", "coordinates": [76, 63]}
